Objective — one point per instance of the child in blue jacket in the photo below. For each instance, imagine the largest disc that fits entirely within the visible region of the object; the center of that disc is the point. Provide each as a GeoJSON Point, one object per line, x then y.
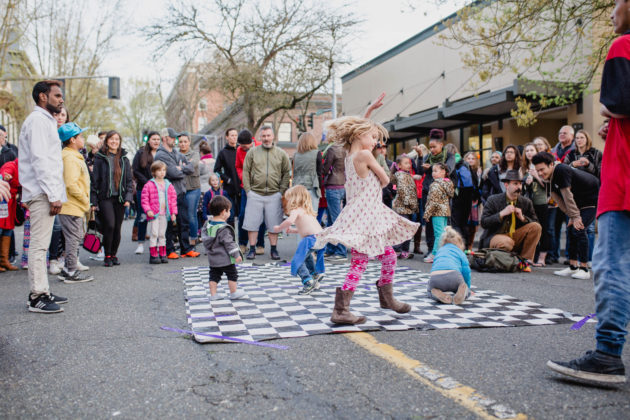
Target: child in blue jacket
{"type": "Point", "coordinates": [450, 272]}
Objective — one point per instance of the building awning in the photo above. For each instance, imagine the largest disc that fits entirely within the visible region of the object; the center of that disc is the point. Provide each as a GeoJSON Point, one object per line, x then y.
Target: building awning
{"type": "Point", "coordinates": [479, 109]}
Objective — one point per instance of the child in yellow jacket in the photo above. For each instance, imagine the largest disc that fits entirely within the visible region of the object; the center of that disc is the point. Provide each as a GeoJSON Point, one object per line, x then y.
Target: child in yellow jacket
{"type": "Point", "coordinates": [72, 215]}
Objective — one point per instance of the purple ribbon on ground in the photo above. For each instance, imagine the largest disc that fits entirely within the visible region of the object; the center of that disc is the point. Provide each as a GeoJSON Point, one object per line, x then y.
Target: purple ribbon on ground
{"type": "Point", "coordinates": [223, 337]}
{"type": "Point", "coordinates": [581, 322]}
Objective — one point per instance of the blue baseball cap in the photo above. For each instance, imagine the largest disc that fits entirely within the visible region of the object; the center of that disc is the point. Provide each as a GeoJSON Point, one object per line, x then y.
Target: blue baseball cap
{"type": "Point", "coordinates": [69, 130]}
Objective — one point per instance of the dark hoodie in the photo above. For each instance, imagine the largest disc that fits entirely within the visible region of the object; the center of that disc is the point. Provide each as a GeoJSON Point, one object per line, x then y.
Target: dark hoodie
{"type": "Point", "coordinates": [103, 179]}
{"type": "Point", "coordinates": [226, 167]}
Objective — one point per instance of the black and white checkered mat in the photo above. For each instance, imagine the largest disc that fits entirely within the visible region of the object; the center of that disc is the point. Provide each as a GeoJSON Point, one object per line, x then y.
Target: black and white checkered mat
{"type": "Point", "coordinates": [273, 308]}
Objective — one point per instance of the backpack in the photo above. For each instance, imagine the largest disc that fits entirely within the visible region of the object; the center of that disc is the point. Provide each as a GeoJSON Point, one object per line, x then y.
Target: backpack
{"type": "Point", "coordinates": [495, 261]}
{"type": "Point", "coordinates": [463, 176]}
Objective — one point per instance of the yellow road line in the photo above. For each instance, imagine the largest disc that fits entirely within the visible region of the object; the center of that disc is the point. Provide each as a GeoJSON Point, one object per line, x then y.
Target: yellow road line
{"type": "Point", "coordinates": [463, 395]}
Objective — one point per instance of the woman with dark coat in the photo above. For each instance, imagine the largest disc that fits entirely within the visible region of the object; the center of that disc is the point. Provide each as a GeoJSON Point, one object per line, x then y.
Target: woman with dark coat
{"type": "Point", "coordinates": [510, 160]}
{"type": "Point", "coordinates": [112, 191]}
{"type": "Point", "coordinates": [141, 167]}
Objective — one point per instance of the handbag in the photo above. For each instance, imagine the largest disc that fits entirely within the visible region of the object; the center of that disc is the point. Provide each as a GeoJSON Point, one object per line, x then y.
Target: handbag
{"type": "Point", "coordinates": [93, 238]}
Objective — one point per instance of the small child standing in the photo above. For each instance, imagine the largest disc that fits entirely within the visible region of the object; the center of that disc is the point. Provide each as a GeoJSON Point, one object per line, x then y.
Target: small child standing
{"type": "Point", "coordinates": [366, 224]}
{"type": "Point", "coordinates": [215, 190]}
{"type": "Point", "coordinates": [299, 206]}
{"type": "Point", "coordinates": [76, 177]}
{"type": "Point", "coordinates": [219, 240]}
{"type": "Point", "coordinates": [450, 271]}
{"type": "Point", "coordinates": [438, 208]}
{"type": "Point", "coordinates": [9, 173]}
{"type": "Point", "coordinates": [406, 201]}
{"type": "Point", "coordinates": [159, 202]}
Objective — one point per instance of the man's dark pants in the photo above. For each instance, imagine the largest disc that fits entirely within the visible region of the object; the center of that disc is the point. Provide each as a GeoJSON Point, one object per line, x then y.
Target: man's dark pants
{"type": "Point", "coordinates": [182, 228]}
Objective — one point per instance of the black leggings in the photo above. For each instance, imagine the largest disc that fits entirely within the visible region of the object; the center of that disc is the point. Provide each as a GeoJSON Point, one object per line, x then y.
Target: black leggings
{"type": "Point", "coordinates": [542, 215]}
{"type": "Point", "coordinates": [111, 212]}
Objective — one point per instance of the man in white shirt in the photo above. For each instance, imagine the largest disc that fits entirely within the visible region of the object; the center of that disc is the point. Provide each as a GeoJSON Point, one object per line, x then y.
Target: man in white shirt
{"type": "Point", "coordinates": [43, 190]}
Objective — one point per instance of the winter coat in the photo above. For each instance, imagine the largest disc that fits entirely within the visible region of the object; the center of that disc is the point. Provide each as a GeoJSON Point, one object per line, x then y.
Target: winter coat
{"type": "Point", "coordinates": [449, 161]}
{"type": "Point", "coordinates": [492, 184]}
{"type": "Point", "coordinates": [219, 241]}
{"type": "Point", "coordinates": [209, 195]}
{"type": "Point", "coordinates": [141, 174]}
{"type": "Point", "coordinates": [266, 171]}
{"type": "Point", "coordinates": [77, 179]}
{"type": "Point", "coordinates": [8, 153]}
{"type": "Point", "coordinates": [103, 179]}
{"type": "Point", "coordinates": [334, 167]}
{"type": "Point", "coordinates": [225, 166]}
{"type": "Point", "coordinates": [406, 201]}
{"type": "Point", "coordinates": [240, 159]}
{"type": "Point", "coordinates": [438, 201]}
{"type": "Point", "coordinates": [150, 199]}
{"type": "Point", "coordinates": [594, 157]}
{"type": "Point", "coordinates": [192, 180]}
{"type": "Point", "coordinates": [11, 169]}
{"type": "Point", "coordinates": [307, 170]}
{"type": "Point", "coordinates": [174, 159]}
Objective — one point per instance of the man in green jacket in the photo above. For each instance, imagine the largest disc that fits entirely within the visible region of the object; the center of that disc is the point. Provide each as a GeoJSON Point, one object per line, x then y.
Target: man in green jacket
{"type": "Point", "coordinates": [266, 175]}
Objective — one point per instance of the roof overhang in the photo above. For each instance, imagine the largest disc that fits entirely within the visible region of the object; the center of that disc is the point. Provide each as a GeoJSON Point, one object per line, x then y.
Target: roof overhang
{"type": "Point", "coordinates": [478, 109]}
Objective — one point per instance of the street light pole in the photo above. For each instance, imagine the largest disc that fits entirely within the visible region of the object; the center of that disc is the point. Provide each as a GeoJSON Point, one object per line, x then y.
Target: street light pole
{"type": "Point", "coordinates": [334, 96]}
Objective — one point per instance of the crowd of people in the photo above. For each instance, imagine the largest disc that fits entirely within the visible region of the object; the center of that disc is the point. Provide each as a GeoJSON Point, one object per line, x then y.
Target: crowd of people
{"type": "Point", "coordinates": [373, 207]}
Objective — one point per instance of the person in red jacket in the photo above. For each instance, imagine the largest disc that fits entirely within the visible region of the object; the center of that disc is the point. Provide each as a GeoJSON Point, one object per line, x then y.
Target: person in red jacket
{"type": "Point", "coordinates": [245, 142]}
{"type": "Point", "coordinates": [9, 173]}
{"type": "Point", "coordinates": [611, 259]}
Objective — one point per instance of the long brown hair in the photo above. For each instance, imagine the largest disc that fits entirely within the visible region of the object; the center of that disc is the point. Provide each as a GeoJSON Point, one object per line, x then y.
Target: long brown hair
{"type": "Point", "coordinates": [146, 158]}
{"type": "Point", "coordinates": [517, 158]}
{"type": "Point", "coordinates": [117, 158]}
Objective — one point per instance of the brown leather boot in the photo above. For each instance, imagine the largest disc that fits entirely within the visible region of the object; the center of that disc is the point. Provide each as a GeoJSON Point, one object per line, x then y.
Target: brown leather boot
{"type": "Point", "coordinates": [341, 314]}
{"type": "Point", "coordinates": [416, 246]}
{"type": "Point", "coordinates": [134, 234]}
{"type": "Point", "coordinates": [387, 300]}
{"type": "Point", "coordinates": [5, 244]}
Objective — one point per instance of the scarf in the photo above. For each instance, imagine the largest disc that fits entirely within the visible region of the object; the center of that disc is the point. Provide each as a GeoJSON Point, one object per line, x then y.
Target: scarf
{"type": "Point", "coordinates": [439, 158]}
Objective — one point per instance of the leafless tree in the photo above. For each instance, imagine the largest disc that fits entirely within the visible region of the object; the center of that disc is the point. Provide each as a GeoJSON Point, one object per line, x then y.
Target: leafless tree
{"type": "Point", "coordinates": [271, 54]}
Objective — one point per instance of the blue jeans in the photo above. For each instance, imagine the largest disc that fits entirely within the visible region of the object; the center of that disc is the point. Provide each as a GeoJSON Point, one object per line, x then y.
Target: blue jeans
{"type": "Point", "coordinates": [307, 269]}
{"type": "Point", "coordinates": [578, 240]}
{"type": "Point", "coordinates": [611, 267]}
{"type": "Point", "coordinates": [334, 198]}
{"type": "Point", "coordinates": [590, 233]}
{"type": "Point", "coordinates": [192, 200]}
{"type": "Point", "coordinates": [142, 226]}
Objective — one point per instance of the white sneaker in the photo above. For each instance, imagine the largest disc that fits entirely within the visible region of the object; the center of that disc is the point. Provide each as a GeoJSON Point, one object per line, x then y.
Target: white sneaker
{"type": "Point", "coordinates": [140, 249]}
{"type": "Point", "coordinates": [55, 267]}
{"type": "Point", "coordinates": [239, 294]}
{"type": "Point", "coordinates": [82, 267]}
{"type": "Point", "coordinates": [218, 296]}
{"type": "Point", "coordinates": [567, 272]}
{"type": "Point", "coordinates": [581, 275]}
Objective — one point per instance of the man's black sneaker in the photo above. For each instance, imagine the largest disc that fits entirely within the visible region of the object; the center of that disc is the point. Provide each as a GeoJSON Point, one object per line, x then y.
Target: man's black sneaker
{"type": "Point", "coordinates": [593, 366]}
{"type": "Point", "coordinates": [308, 288]}
{"type": "Point", "coordinates": [155, 260]}
{"type": "Point", "coordinates": [251, 254]}
{"type": "Point", "coordinates": [275, 255]}
{"type": "Point", "coordinates": [58, 299]}
{"type": "Point", "coordinates": [163, 259]}
{"type": "Point", "coordinates": [115, 260]}
{"type": "Point", "coordinates": [77, 277]}
{"type": "Point", "coordinates": [107, 262]}
{"type": "Point", "coordinates": [43, 304]}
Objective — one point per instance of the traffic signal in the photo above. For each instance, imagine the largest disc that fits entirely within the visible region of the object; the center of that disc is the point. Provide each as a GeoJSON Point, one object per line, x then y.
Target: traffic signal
{"type": "Point", "coordinates": [301, 122]}
{"type": "Point", "coordinates": [310, 120]}
{"type": "Point", "coordinates": [145, 135]}
{"type": "Point", "coordinates": [113, 88]}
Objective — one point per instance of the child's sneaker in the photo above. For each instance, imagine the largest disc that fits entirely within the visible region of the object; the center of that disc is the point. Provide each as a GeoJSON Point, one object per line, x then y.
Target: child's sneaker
{"type": "Point", "coordinates": [239, 294]}
{"type": "Point", "coordinates": [77, 277]}
{"type": "Point", "coordinates": [218, 296]}
{"type": "Point", "coordinates": [317, 278]}
{"type": "Point", "coordinates": [308, 288]}
{"type": "Point", "coordinates": [429, 259]}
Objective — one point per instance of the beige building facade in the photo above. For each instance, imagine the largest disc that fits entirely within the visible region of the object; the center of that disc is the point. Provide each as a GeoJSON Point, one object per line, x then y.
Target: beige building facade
{"type": "Point", "coordinates": [427, 86]}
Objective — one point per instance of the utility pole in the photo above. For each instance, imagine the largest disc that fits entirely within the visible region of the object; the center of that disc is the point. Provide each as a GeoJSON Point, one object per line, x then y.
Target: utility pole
{"type": "Point", "coordinates": [334, 96]}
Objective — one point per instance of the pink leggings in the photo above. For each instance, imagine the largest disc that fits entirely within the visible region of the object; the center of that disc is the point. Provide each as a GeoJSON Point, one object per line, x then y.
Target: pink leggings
{"type": "Point", "coordinates": [359, 262]}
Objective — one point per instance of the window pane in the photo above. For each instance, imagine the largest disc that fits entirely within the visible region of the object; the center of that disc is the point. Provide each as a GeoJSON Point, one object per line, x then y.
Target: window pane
{"type": "Point", "coordinates": [284, 132]}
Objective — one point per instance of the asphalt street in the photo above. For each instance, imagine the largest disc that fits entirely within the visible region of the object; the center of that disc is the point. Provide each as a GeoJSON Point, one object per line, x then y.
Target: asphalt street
{"type": "Point", "coordinates": [106, 356]}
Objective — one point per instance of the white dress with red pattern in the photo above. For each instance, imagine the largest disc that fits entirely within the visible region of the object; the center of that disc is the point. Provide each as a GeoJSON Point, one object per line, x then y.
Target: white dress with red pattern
{"type": "Point", "coordinates": [365, 223]}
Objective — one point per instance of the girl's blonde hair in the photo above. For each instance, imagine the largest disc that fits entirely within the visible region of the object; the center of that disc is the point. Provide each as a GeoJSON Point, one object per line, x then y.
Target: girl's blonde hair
{"type": "Point", "coordinates": [473, 154]}
{"type": "Point", "coordinates": [450, 236]}
{"type": "Point", "coordinates": [298, 197]}
{"type": "Point", "coordinates": [307, 142]}
{"type": "Point", "coordinates": [345, 130]}
{"type": "Point", "coordinates": [214, 175]}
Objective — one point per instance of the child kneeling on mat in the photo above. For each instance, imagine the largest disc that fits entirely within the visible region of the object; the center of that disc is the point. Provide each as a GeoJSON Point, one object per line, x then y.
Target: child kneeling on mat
{"type": "Point", "coordinates": [219, 240]}
{"type": "Point", "coordinates": [301, 213]}
{"type": "Point", "coordinates": [450, 271]}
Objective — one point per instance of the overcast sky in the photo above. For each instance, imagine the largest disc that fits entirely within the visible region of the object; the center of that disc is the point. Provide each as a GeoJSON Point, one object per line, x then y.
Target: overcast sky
{"type": "Point", "coordinates": [386, 24]}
